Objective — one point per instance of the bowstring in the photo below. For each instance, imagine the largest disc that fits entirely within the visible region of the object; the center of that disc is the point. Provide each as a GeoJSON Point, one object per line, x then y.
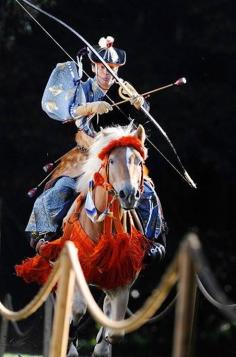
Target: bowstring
{"type": "Point", "coordinates": [106, 95]}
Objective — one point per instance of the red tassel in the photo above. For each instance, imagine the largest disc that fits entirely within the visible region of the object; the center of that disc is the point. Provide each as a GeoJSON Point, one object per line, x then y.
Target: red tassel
{"type": "Point", "coordinates": [48, 167]}
{"type": "Point", "coordinates": [34, 269]}
{"type": "Point", "coordinates": [51, 250]}
{"type": "Point", "coordinates": [31, 193]}
{"type": "Point", "coordinates": [111, 262]}
{"type": "Point", "coordinates": [116, 260]}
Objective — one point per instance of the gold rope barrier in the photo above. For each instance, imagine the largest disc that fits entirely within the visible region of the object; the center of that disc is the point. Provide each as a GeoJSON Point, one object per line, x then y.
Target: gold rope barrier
{"type": "Point", "coordinates": [142, 315]}
{"type": "Point", "coordinates": [37, 301]}
{"type": "Point", "coordinates": [132, 323]}
{"type": "Point", "coordinates": [65, 272]}
{"type": "Point", "coordinates": [63, 305]}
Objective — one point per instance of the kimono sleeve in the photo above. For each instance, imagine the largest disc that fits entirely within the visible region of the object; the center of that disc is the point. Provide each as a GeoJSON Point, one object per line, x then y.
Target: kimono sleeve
{"type": "Point", "coordinates": [60, 91]}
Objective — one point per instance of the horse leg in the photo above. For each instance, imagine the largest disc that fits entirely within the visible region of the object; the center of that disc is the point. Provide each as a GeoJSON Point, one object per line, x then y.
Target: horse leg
{"type": "Point", "coordinates": [79, 308]}
{"type": "Point", "coordinates": [119, 303]}
{"type": "Point", "coordinates": [115, 305]}
{"type": "Point", "coordinates": [103, 347]}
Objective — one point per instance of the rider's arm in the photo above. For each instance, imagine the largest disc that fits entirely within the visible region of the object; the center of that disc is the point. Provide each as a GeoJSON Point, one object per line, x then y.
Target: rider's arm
{"type": "Point", "coordinates": [61, 90]}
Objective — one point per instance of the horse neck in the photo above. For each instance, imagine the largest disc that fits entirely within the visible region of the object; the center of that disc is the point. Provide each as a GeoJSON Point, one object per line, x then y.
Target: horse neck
{"type": "Point", "coordinates": [95, 229]}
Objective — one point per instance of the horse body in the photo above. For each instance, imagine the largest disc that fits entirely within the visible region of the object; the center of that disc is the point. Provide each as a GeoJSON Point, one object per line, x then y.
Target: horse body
{"type": "Point", "coordinates": [123, 171]}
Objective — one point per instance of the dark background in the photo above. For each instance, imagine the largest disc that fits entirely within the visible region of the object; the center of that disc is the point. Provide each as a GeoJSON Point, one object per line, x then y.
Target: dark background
{"type": "Point", "coordinates": [163, 41]}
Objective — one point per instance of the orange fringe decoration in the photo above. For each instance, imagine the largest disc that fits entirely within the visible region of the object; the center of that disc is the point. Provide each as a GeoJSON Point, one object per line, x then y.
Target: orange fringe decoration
{"type": "Point", "coordinates": [36, 269]}
{"type": "Point", "coordinates": [111, 262]}
{"type": "Point", "coordinates": [116, 260]}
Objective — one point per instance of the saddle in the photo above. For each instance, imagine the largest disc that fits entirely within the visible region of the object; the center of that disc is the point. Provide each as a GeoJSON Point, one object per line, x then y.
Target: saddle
{"type": "Point", "coordinates": [70, 163]}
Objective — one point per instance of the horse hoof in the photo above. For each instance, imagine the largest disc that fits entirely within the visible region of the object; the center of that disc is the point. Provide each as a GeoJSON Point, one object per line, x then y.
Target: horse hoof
{"type": "Point", "coordinates": [108, 354]}
{"type": "Point", "coordinates": [113, 339]}
{"type": "Point", "coordinates": [103, 349]}
{"type": "Point", "coordinates": [72, 352]}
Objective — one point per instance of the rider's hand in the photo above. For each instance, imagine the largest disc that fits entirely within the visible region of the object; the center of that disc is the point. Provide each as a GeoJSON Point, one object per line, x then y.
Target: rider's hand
{"type": "Point", "coordinates": [87, 109]}
{"type": "Point", "coordinates": [137, 101]}
{"type": "Point", "coordinates": [127, 91]}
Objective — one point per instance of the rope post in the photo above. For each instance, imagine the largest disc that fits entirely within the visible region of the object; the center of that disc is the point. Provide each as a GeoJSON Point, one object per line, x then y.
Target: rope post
{"type": "Point", "coordinates": [65, 290]}
{"type": "Point", "coordinates": [185, 307]}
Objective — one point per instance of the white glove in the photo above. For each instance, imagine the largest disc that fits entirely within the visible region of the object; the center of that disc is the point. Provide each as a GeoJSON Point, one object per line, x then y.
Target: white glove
{"type": "Point", "coordinates": [137, 101]}
{"type": "Point", "coordinates": [93, 108]}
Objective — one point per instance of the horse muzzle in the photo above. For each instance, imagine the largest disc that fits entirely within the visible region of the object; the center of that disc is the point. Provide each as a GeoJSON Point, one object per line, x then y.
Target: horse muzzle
{"type": "Point", "coordinates": [128, 197]}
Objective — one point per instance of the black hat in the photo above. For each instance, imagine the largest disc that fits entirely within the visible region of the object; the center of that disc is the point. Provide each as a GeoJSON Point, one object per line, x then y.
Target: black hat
{"type": "Point", "coordinates": [110, 54]}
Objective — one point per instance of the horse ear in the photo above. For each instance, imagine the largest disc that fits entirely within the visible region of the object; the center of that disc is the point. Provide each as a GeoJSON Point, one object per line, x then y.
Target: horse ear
{"type": "Point", "coordinates": [102, 132]}
{"type": "Point", "coordinates": [105, 132]}
{"type": "Point", "coordinates": [140, 133]}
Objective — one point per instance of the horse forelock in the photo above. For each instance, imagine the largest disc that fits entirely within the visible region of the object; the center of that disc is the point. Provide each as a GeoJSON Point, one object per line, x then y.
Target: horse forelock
{"type": "Point", "coordinates": [93, 163]}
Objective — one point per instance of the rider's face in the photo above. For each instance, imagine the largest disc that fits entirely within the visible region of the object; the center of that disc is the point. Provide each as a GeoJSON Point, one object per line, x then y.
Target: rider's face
{"type": "Point", "coordinates": [103, 76]}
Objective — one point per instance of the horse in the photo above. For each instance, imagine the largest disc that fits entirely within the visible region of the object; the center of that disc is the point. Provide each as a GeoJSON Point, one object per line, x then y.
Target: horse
{"type": "Point", "coordinates": [120, 168]}
{"type": "Point", "coordinates": [103, 224]}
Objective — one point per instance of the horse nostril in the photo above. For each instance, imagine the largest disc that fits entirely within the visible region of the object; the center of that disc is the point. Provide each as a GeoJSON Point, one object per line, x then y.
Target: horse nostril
{"type": "Point", "coordinates": [137, 195]}
{"type": "Point", "coordinates": [122, 194]}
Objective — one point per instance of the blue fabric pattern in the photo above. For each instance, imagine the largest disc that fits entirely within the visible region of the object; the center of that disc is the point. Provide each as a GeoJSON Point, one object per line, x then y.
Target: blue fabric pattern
{"type": "Point", "coordinates": [51, 206]}
{"type": "Point", "coordinates": [150, 211]}
{"type": "Point", "coordinates": [65, 91]}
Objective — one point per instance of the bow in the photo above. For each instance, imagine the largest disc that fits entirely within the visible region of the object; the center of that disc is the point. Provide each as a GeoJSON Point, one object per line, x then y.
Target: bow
{"type": "Point", "coordinates": [121, 83]}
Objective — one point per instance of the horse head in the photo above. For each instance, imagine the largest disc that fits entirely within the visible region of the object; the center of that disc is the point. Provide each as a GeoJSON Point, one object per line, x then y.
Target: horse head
{"type": "Point", "coordinates": [125, 167]}
{"type": "Point", "coordinates": [118, 153]}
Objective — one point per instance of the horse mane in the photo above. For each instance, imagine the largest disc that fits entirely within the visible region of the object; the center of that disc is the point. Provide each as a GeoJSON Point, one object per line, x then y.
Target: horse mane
{"type": "Point", "coordinates": [93, 163]}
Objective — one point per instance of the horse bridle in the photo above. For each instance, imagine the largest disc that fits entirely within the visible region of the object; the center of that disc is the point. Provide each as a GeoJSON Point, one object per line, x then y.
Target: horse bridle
{"type": "Point", "coordinates": [124, 141]}
{"type": "Point", "coordinates": [105, 180]}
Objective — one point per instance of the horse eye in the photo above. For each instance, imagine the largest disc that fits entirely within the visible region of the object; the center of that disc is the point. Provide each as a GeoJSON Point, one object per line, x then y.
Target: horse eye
{"type": "Point", "coordinates": [138, 162]}
{"type": "Point", "coordinates": [111, 161]}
